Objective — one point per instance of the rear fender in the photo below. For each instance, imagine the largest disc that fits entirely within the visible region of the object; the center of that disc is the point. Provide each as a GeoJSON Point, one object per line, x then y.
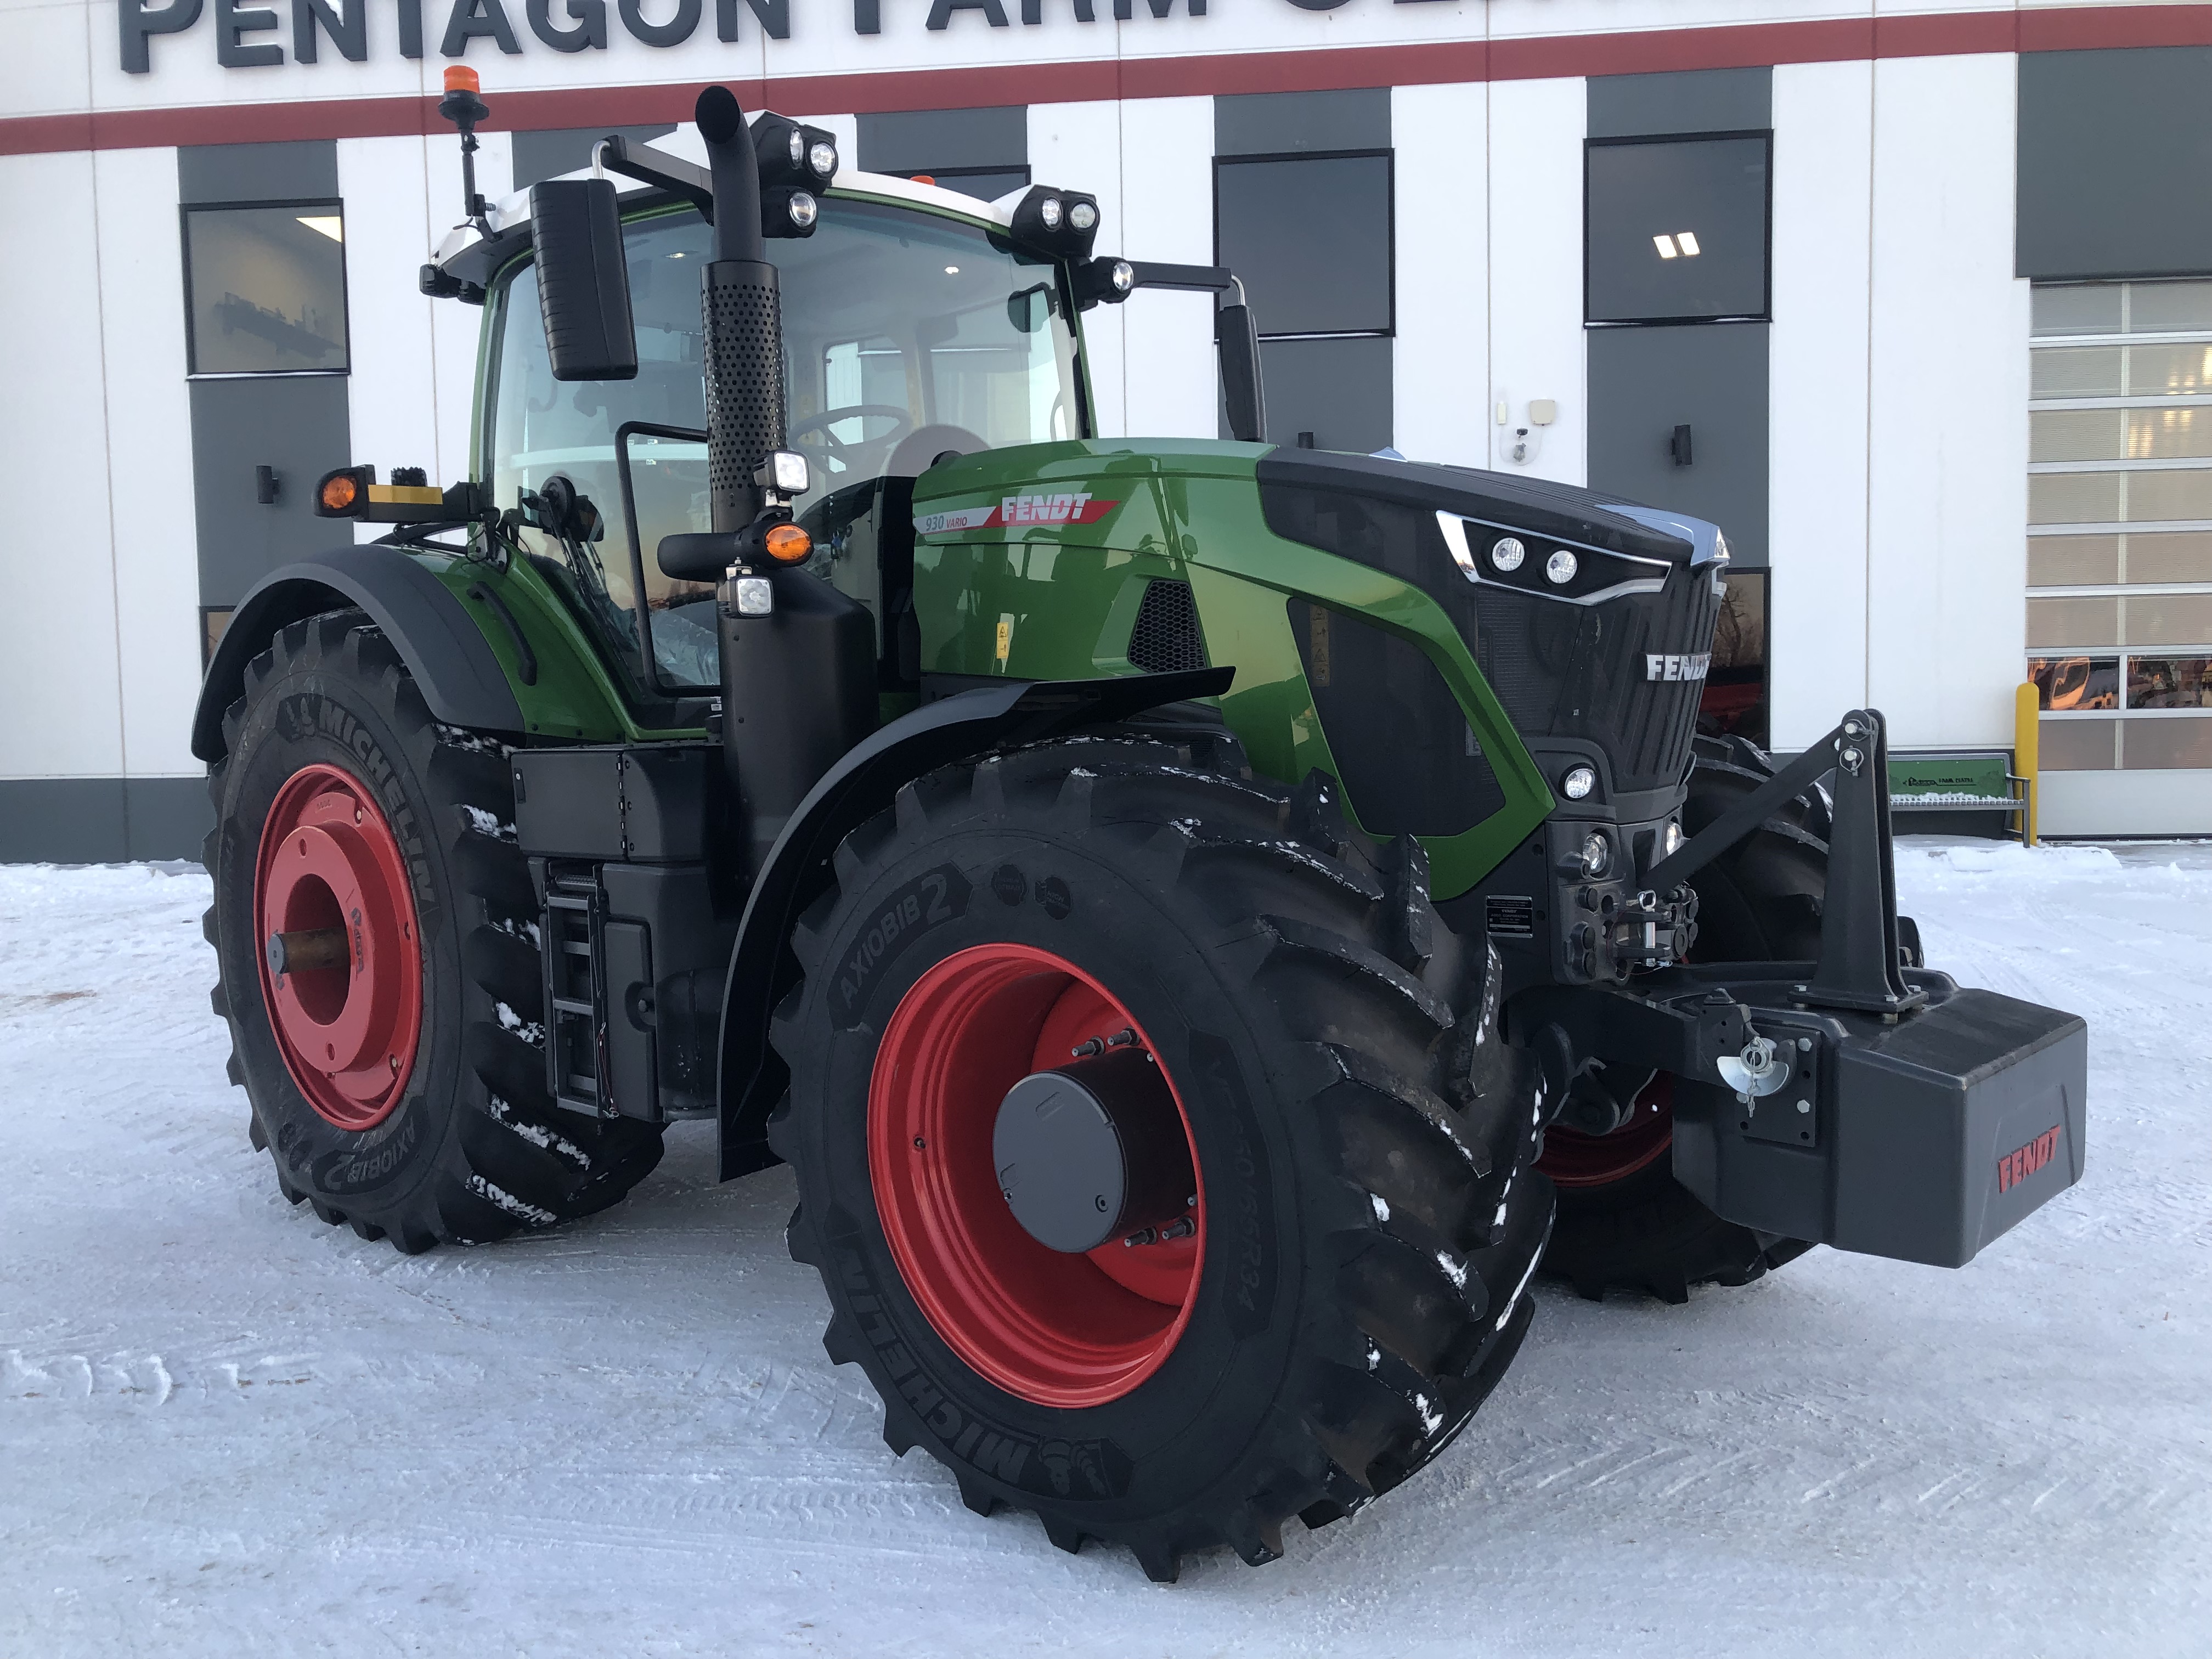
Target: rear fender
{"type": "Point", "coordinates": [443, 645]}
{"type": "Point", "coordinates": [762, 968]}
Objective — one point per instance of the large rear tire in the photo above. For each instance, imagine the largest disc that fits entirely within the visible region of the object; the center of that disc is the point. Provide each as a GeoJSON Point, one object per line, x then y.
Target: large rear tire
{"type": "Point", "coordinates": [1366, 1216]}
{"type": "Point", "coordinates": [1624, 1223]}
{"type": "Point", "coordinates": [401, 1091]}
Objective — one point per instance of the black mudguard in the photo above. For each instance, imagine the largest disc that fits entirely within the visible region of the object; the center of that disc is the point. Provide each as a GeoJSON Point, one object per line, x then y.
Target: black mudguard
{"type": "Point", "coordinates": [864, 782]}
{"type": "Point", "coordinates": [442, 644]}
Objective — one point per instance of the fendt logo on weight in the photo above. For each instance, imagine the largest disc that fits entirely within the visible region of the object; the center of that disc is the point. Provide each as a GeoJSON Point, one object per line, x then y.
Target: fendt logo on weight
{"type": "Point", "coordinates": [2015, 1167]}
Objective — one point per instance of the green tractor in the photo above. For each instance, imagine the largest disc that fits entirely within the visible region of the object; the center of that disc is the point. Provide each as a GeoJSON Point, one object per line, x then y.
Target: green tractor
{"type": "Point", "coordinates": [1204, 922]}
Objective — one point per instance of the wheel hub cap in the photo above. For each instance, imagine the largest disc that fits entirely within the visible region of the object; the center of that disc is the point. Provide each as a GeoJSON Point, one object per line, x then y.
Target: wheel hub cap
{"type": "Point", "coordinates": [341, 964]}
{"type": "Point", "coordinates": [985, 1039]}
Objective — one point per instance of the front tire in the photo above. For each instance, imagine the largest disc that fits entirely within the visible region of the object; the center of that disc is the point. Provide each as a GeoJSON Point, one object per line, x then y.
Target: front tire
{"type": "Point", "coordinates": [403, 1091]}
{"type": "Point", "coordinates": [1367, 1220]}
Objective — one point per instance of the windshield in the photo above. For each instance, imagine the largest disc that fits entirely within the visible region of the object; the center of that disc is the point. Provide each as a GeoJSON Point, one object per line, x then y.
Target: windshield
{"type": "Point", "coordinates": [905, 336]}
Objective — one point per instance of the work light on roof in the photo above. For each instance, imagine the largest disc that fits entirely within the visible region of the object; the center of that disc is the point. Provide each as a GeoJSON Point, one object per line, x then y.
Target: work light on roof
{"type": "Point", "coordinates": [1058, 223]}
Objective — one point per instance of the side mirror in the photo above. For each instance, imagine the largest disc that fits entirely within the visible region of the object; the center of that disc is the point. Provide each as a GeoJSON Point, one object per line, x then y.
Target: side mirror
{"type": "Point", "coordinates": [583, 284]}
{"type": "Point", "coordinates": [1238, 341]}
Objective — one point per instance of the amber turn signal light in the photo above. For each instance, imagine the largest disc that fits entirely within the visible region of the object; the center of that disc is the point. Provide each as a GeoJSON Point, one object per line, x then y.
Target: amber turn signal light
{"type": "Point", "coordinates": [343, 494]}
{"type": "Point", "coordinates": [786, 543]}
{"type": "Point", "coordinates": [461, 78]}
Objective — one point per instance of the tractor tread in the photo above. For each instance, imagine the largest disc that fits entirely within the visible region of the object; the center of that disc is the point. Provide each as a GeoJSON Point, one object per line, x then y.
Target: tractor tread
{"type": "Point", "coordinates": [1419, 1141]}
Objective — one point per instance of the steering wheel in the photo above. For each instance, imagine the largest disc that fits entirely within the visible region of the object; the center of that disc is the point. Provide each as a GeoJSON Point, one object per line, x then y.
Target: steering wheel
{"type": "Point", "coordinates": [829, 418]}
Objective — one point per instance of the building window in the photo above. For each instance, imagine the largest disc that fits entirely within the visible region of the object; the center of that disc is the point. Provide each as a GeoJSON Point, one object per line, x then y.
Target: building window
{"type": "Point", "coordinates": [1323, 298]}
{"type": "Point", "coordinates": [1734, 700]}
{"type": "Point", "coordinates": [265, 288]}
{"type": "Point", "coordinates": [1677, 229]}
{"type": "Point", "coordinates": [2119, 551]}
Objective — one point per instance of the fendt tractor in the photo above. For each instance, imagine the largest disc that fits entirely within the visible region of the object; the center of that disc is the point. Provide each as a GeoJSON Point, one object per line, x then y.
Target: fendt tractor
{"type": "Point", "coordinates": [1204, 922]}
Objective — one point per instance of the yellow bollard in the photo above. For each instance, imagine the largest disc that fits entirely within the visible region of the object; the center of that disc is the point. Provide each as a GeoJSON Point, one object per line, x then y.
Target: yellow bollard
{"type": "Point", "coordinates": [2027, 751]}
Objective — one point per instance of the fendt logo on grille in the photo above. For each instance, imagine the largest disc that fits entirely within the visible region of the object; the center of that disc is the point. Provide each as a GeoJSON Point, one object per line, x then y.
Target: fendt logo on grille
{"type": "Point", "coordinates": [2016, 1166]}
{"type": "Point", "coordinates": [1680, 665]}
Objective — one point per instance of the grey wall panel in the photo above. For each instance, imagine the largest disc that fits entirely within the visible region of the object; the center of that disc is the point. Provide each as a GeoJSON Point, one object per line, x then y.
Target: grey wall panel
{"type": "Point", "coordinates": [1711, 377]}
{"type": "Point", "coordinates": [166, 817]}
{"type": "Point", "coordinates": [62, 821]}
{"type": "Point", "coordinates": [102, 820]}
{"type": "Point", "coordinates": [257, 172]}
{"type": "Point", "coordinates": [549, 155]}
{"type": "Point", "coordinates": [1688, 100]}
{"type": "Point", "coordinates": [916, 141]}
{"type": "Point", "coordinates": [295, 423]}
{"type": "Point", "coordinates": [1338, 390]}
{"type": "Point", "coordinates": [2115, 156]}
{"type": "Point", "coordinates": [1279, 122]}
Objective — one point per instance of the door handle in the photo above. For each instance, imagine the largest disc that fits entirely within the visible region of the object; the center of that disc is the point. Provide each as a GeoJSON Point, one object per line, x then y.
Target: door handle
{"type": "Point", "coordinates": [265, 484]}
{"type": "Point", "coordinates": [1678, 446]}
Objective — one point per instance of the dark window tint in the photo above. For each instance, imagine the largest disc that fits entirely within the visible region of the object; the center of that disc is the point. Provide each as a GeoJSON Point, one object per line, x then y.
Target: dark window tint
{"type": "Point", "coordinates": [1733, 702]}
{"type": "Point", "coordinates": [1677, 229]}
{"type": "Point", "coordinates": [1410, 764]}
{"type": "Point", "coordinates": [267, 288]}
{"type": "Point", "coordinates": [1311, 237]}
{"type": "Point", "coordinates": [2066, 683]}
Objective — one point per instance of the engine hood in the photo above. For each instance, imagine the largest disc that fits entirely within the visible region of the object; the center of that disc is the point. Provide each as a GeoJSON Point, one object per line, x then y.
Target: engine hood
{"type": "Point", "coordinates": [1558, 512]}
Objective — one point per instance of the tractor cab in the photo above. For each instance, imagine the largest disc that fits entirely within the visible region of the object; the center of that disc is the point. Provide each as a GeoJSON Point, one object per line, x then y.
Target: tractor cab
{"type": "Point", "coordinates": [914, 329]}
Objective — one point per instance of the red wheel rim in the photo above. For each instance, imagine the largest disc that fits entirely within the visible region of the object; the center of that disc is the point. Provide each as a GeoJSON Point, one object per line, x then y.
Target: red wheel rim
{"type": "Point", "coordinates": [1574, 1159]}
{"type": "Point", "coordinates": [348, 1033]}
{"type": "Point", "coordinates": [1057, 1329]}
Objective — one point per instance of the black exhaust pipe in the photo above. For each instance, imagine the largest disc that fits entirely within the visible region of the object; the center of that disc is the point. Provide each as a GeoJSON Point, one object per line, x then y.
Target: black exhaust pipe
{"type": "Point", "coordinates": [798, 684]}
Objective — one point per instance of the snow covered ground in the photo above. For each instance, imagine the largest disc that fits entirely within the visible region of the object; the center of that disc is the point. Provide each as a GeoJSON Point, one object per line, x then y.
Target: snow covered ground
{"type": "Point", "coordinates": [227, 1428]}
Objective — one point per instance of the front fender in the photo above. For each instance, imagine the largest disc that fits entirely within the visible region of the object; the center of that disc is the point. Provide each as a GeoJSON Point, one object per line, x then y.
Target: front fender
{"type": "Point", "coordinates": [441, 643]}
{"type": "Point", "coordinates": [863, 782]}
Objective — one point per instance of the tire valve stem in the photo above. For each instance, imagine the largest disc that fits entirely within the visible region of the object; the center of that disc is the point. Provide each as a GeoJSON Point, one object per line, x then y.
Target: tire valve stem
{"type": "Point", "coordinates": [1182, 1227]}
{"type": "Point", "coordinates": [1142, 1236]}
{"type": "Point", "coordinates": [1121, 1039]}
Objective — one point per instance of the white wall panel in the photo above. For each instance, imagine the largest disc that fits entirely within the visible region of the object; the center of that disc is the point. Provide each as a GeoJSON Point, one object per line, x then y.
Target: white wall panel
{"type": "Point", "coordinates": [1170, 386]}
{"type": "Point", "coordinates": [2162, 803]}
{"type": "Point", "coordinates": [1441, 362]}
{"type": "Point", "coordinates": [1817, 396]}
{"type": "Point", "coordinates": [1947, 558]}
{"type": "Point", "coordinates": [148, 484]}
{"type": "Point", "coordinates": [1536, 351]}
{"type": "Point", "coordinates": [1078, 147]}
{"type": "Point", "coordinates": [392, 396]}
{"type": "Point", "coordinates": [57, 674]}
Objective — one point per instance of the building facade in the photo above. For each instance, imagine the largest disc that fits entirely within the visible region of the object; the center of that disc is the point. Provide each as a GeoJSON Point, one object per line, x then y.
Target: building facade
{"type": "Point", "coordinates": [1914, 300]}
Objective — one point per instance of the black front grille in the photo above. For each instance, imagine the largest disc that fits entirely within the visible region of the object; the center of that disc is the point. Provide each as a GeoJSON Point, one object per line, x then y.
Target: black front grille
{"type": "Point", "coordinates": [1569, 670]}
{"type": "Point", "coordinates": [1166, 638]}
{"type": "Point", "coordinates": [1560, 670]}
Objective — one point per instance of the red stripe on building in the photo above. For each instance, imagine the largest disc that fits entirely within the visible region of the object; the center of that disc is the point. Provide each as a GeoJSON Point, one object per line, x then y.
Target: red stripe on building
{"type": "Point", "coordinates": [1623, 52]}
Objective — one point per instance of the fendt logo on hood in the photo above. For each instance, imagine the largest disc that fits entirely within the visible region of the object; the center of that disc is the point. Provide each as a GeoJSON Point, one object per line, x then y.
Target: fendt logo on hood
{"type": "Point", "coordinates": [1070, 507]}
{"type": "Point", "coordinates": [2015, 1167]}
{"type": "Point", "coordinates": [1680, 665]}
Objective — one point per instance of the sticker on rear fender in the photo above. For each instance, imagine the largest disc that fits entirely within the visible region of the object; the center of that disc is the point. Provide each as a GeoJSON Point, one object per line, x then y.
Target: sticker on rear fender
{"type": "Point", "coordinates": [1069, 506]}
{"type": "Point", "coordinates": [935, 895]}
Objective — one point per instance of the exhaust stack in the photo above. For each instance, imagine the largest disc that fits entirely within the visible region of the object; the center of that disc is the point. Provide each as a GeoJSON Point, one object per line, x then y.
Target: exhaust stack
{"type": "Point", "coordinates": [799, 681]}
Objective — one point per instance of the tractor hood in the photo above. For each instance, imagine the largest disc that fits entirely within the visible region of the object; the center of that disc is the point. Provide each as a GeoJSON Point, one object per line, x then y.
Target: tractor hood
{"type": "Point", "coordinates": [1580, 518]}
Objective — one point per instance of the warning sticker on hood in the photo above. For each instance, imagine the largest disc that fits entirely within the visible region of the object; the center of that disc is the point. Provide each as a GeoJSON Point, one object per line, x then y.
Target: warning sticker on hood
{"type": "Point", "coordinates": [1071, 507]}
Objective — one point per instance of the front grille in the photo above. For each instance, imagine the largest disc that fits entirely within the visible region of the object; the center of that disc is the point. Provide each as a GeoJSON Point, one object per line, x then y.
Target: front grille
{"type": "Point", "coordinates": [1166, 638]}
{"type": "Point", "coordinates": [1566, 670]}
{"type": "Point", "coordinates": [1560, 670]}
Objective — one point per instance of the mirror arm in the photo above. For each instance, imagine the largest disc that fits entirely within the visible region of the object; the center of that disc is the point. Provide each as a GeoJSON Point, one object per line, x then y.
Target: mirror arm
{"type": "Point", "coordinates": [653, 167]}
